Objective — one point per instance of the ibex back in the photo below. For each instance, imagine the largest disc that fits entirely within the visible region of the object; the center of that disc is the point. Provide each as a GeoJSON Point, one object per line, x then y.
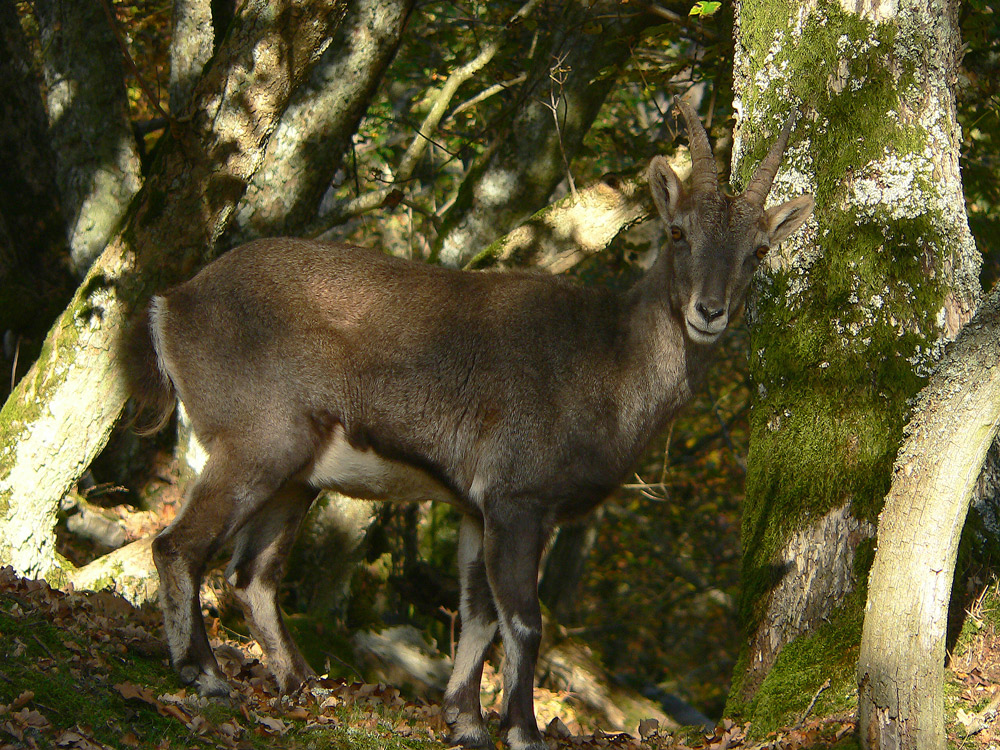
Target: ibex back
{"type": "Point", "coordinates": [522, 399]}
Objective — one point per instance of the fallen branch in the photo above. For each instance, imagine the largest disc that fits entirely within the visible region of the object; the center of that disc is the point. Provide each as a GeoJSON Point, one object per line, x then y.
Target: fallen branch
{"type": "Point", "coordinates": [812, 704]}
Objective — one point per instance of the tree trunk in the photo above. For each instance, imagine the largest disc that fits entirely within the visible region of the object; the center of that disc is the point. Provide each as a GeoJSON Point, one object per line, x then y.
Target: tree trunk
{"type": "Point", "coordinates": [860, 304]}
{"type": "Point", "coordinates": [315, 132]}
{"type": "Point", "coordinates": [531, 152]}
{"type": "Point", "coordinates": [192, 39]}
{"type": "Point", "coordinates": [97, 164]}
{"type": "Point", "coordinates": [34, 284]}
{"type": "Point", "coordinates": [61, 413]}
{"type": "Point", "coordinates": [572, 229]}
{"type": "Point", "coordinates": [901, 667]}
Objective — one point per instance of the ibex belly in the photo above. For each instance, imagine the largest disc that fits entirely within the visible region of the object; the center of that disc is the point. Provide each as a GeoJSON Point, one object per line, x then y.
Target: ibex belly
{"type": "Point", "coordinates": [366, 474]}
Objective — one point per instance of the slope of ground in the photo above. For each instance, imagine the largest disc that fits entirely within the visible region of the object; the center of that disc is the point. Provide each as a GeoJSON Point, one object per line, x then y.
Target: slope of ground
{"type": "Point", "coordinates": [87, 670]}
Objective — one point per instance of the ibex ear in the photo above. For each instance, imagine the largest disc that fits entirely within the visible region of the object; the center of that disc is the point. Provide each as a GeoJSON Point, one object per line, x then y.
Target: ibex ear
{"type": "Point", "coordinates": [667, 190]}
{"type": "Point", "coordinates": [780, 221]}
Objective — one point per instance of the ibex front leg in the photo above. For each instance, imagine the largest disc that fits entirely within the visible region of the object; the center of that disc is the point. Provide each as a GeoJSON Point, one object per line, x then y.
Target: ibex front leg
{"type": "Point", "coordinates": [513, 542]}
{"type": "Point", "coordinates": [462, 708]}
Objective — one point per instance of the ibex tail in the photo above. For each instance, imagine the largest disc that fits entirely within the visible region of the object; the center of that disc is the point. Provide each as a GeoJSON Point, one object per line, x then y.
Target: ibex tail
{"type": "Point", "coordinates": [149, 386]}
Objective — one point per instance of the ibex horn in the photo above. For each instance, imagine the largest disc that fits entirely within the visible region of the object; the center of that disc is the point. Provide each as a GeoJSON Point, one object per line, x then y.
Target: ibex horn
{"type": "Point", "coordinates": [704, 173]}
{"type": "Point", "coordinates": [760, 185]}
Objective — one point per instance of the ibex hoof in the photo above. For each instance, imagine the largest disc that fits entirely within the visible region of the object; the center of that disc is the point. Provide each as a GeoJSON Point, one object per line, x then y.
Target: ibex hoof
{"type": "Point", "coordinates": [476, 739]}
{"type": "Point", "coordinates": [211, 686]}
{"type": "Point", "coordinates": [467, 729]}
{"type": "Point", "coordinates": [518, 739]}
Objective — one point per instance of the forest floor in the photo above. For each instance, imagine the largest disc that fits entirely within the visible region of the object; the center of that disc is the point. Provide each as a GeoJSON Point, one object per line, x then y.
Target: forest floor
{"type": "Point", "coordinates": [83, 670]}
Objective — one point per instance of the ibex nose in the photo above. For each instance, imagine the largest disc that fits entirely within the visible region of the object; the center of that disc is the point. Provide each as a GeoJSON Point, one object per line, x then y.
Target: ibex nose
{"type": "Point", "coordinates": [709, 314]}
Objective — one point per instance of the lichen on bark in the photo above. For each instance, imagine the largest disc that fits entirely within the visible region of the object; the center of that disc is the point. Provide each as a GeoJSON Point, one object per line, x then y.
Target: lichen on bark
{"type": "Point", "coordinates": [850, 313]}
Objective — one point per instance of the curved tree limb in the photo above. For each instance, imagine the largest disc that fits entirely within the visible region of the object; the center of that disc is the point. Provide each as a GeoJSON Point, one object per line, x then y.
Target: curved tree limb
{"type": "Point", "coordinates": [901, 666]}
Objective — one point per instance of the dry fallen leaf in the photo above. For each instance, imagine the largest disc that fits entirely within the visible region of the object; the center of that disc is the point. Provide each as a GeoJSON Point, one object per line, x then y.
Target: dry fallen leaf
{"type": "Point", "coordinates": [272, 725]}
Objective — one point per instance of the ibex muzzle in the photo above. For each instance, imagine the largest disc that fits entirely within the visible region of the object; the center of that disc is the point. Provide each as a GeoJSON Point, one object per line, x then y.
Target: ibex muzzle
{"type": "Point", "coordinates": [522, 399]}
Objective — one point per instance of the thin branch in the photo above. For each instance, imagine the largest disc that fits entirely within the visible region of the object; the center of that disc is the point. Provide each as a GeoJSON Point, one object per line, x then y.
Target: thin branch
{"type": "Point", "coordinates": [646, 489]}
{"type": "Point", "coordinates": [809, 708]}
{"type": "Point", "coordinates": [684, 21]}
{"type": "Point", "coordinates": [153, 100]}
{"type": "Point", "coordinates": [424, 136]}
{"type": "Point", "coordinates": [557, 77]}
{"type": "Point", "coordinates": [485, 94]}
{"type": "Point", "coordinates": [13, 367]}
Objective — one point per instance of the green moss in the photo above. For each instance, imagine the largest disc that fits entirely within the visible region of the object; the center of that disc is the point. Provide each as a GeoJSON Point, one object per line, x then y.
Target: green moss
{"type": "Point", "coordinates": [829, 652]}
{"type": "Point", "coordinates": [836, 376]}
{"type": "Point", "coordinates": [838, 339]}
{"type": "Point", "coordinates": [837, 67]}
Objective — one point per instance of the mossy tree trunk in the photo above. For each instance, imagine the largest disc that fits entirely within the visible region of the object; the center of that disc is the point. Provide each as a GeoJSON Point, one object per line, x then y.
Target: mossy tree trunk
{"type": "Point", "coordinates": [849, 319]}
{"type": "Point", "coordinates": [62, 411]}
{"type": "Point", "coordinates": [901, 666]}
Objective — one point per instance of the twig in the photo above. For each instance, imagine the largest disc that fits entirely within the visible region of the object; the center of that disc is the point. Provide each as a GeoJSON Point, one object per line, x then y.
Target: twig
{"type": "Point", "coordinates": [44, 647]}
{"type": "Point", "coordinates": [131, 63]}
{"type": "Point", "coordinates": [646, 489]}
{"type": "Point", "coordinates": [13, 367]}
{"type": "Point", "coordinates": [452, 616]}
{"type": "Point", "coordinates": [809, 708]}
{"type": "Point", "coordinates": [408, 163]}
{"type": "Point", "coordinates": [557, 77]}
{"type": "Point", "coordinates": [666, 452]}
{"type": "Point", "coordinates": [350, 666]}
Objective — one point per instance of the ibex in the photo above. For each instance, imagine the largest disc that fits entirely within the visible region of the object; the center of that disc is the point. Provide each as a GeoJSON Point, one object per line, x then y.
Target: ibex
{"type": "Point", "coordinates": [522, 399]}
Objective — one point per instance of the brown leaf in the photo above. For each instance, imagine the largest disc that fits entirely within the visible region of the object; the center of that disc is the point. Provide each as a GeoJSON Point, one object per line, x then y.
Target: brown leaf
{"type": "Point", "coordinates": [556, 728]}
{"type": "Point", "coordinates": [648, 728]}
{"type": "Point", "coordinates": [173, 711]}
{"type": "Point", "coordinates": [29, 717]}
{"type": "Point", "coordinates": [22, 700]}
{"type": "Point", "coordinates": [272, 725]}
{"type": "Point", "coordinates": [131, 691]}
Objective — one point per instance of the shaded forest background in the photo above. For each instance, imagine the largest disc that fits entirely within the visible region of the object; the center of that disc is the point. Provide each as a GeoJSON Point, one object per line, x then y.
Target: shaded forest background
{"type": "Point", "coordinates": [656, 595]}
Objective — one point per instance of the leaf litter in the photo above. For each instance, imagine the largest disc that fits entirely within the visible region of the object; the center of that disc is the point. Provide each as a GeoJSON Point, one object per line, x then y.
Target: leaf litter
{"type": "Point", "coordinates": [98, 632]}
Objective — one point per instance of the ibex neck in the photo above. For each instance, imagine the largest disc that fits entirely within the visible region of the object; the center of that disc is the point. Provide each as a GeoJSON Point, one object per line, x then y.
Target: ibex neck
{"type": "Point", "coordinates": [671, 366]}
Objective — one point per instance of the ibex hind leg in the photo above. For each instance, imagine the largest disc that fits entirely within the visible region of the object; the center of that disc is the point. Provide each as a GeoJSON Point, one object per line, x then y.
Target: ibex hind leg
{"type": "Point", "coordinates": [513, 543]}
{"type": "Point", "coordinates": [227, 493]}
{"type": "Point", "coordinates": [260, 551]}
{"type": "Point", "coordinates": [462, 707]}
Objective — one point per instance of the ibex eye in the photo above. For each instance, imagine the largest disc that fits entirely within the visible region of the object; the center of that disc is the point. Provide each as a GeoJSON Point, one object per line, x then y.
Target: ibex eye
{"type": "Point", "coordinates": [676, 233]}
{"type": "Point", "coordinates": [761, 251]}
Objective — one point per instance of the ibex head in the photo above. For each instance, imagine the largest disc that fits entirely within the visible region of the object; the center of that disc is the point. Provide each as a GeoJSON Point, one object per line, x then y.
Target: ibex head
{"type": "Point", "coordinates": [715, 240]}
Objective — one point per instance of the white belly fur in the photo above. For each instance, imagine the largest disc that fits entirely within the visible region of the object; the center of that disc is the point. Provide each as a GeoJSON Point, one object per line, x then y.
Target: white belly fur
{"type": "Point", "coordinates": [366, 474]}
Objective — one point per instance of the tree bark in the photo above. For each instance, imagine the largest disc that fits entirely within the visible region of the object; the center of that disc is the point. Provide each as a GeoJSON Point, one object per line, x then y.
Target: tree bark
{"type": "Point", "coordinates": [192, 39]}
{"type": "Point", "coordinates": [315, 132]}
{"type": "Point", "coordinates": [901, 666]}
{"type": "Point", "coordinates": [530, 154]}
{"type": "Point", "coordinates": [572, 229]}
{"type": "Point", "coordinates": [61, 413]}
{"type": "Point", "coordinates": [97, 164]}
{"type": "Point", "coordinates": [859, 304]}
{"type": "Point", "coordinates": [34, 283]}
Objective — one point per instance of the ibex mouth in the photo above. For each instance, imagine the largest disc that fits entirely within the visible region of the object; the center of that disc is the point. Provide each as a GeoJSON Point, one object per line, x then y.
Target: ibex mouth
{"type": "Point", "coordinates": [700, 335]}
